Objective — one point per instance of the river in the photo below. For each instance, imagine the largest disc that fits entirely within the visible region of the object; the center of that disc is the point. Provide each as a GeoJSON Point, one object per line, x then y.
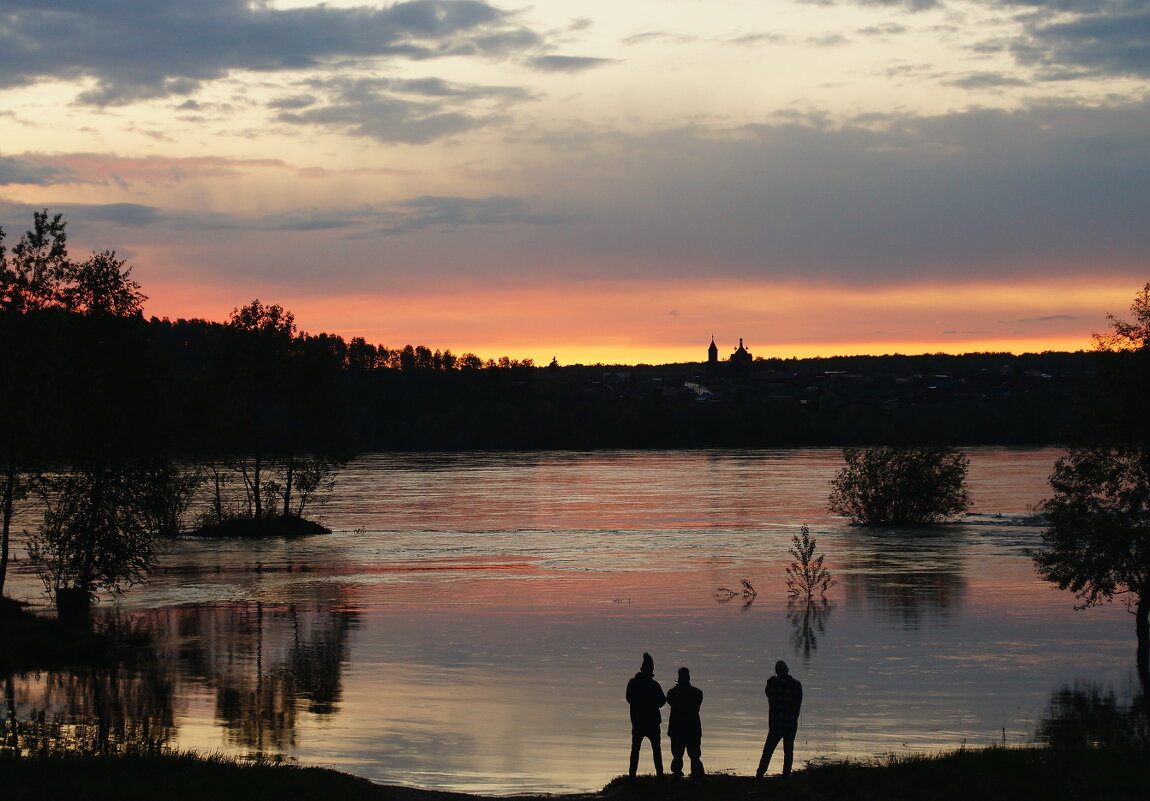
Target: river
{"type": "Point", "coordinates": [473, 619]}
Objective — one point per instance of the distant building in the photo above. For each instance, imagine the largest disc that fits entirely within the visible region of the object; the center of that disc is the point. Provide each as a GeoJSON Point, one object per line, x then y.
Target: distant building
{"type": "Point", "coordinates": [738, 363]}
{"type": "Point", "coordinates": [741, 359]}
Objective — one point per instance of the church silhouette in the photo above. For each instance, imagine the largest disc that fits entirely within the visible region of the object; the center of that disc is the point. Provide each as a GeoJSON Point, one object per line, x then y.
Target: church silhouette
{"type": "Point", "coordinates": [738, 362]}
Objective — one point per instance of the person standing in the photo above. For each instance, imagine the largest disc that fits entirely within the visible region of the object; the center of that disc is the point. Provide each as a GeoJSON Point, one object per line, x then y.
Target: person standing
{"type": "Point", "coordinates": [785, 696]}
{"type": "Point", "coordinates": [645, 697]}
{"type": "Point", "coordinates": [685, 728]}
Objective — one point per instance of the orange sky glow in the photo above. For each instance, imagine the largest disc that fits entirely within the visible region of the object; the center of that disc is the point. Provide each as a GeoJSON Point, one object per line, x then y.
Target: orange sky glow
{"type": "Point", "coordinates": [660, 322]}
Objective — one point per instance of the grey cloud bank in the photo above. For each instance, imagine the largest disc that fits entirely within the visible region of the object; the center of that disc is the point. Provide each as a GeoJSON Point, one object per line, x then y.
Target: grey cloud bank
{"type": "Point", "coordinates": [175, 47]}
{"type": "Point", "coordinates": [18, 170]}
{"type": "Point", "coordinates": [883, 199]}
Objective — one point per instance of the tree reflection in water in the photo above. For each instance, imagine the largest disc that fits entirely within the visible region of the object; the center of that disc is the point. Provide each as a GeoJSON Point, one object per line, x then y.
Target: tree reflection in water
{"type": "Point", "coordinates": [264, 664]}
{"type": "Point", "coordinates": [1086, 716]}
{"type": "Point", "coordinates": [124, 705]}
{"type": "Point", "coordinates": [910, 575]}
{"type": "Point", "coordinates": [808, 618]}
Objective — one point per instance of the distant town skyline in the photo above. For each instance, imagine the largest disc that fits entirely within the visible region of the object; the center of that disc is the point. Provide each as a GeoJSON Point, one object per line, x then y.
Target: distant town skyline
{"type": "Point", "coordinates": [608, 183]}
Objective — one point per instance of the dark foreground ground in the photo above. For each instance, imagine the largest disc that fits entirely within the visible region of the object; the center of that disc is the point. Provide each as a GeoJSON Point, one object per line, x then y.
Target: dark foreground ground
{"type": "Point", "coordinates": [1039, 774]}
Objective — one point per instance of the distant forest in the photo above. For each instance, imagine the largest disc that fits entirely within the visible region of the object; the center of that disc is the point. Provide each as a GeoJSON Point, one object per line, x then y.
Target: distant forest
{"type": "Point", "coordinates": [202, 389]}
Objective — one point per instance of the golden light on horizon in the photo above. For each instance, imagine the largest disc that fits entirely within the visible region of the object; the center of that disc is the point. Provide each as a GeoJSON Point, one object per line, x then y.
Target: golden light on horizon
{"type": "Point", "coordinates": [661, 322]}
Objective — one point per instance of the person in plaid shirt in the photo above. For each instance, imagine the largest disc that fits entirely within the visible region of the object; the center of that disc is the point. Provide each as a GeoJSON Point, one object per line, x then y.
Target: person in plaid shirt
{"type": "Point", "coordinates": [785, 696]}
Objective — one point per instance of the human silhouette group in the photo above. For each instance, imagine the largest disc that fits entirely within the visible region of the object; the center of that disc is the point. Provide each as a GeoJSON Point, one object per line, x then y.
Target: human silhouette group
{"type": "Point", "coordinates": [685, 729]}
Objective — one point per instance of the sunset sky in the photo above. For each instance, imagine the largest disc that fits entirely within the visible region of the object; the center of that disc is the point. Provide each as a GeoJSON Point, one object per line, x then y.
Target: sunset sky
{"type": "Point", "coordinates": [599, 181]}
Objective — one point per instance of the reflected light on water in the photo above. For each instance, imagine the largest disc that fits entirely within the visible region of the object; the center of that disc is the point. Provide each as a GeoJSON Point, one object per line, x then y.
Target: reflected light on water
{"type": "Point", "coordinates": [473, 619]}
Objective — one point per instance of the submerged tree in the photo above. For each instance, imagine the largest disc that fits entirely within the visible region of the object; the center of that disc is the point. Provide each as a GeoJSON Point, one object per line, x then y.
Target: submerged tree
{"type": "Point", "coordinates": [164, 493]}
{"type": "Point", "coordinates": [807, 574]}
{"type": "Point", "coordinates": [14, 488]}
{"type": "Point", "coordinates": [1097, 541]}
{"type": "Point", "coordinates": [747, 592]}
{"type": "Point", "coordinates": [93, 537]}
{"type": "Point", "coordinates": [895, 486]}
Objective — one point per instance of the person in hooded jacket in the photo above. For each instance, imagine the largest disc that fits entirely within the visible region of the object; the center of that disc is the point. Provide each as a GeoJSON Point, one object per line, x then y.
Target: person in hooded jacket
{"type": "Point", "coordinates": [685, 728]}
{"type": "Point", "coordinates": [785, 696]}
{"type": "Point", "coordinates": [645, 697]}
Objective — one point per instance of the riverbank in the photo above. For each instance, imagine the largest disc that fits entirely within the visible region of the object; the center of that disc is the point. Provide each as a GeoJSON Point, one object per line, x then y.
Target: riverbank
{"type": "Point", "coordinates": [1020, 774]}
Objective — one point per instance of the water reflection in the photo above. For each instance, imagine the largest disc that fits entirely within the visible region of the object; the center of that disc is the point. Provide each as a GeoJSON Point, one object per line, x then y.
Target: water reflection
{"type": "Point", "coordinates": [265, 665]}
{"type": "Point", "coordinates": [500, 600]}
{"type": "Point", "coordinates": [911, 576]}
{"type": "Point", "coordinates": [1087, 716]}
{"type": "Point", "coordinates": [125, 705]}
{"type": "Point", "coordinates": [808, 619]}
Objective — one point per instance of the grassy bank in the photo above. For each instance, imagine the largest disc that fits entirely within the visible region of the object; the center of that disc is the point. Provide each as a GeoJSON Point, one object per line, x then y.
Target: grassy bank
{"type": "Point", "coordinates": [971, 775]}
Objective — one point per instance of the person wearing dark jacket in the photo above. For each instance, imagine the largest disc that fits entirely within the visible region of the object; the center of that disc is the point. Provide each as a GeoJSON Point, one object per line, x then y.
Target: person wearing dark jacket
{"type": "Point", "coordinates": [785, 696]}
{"type": "Point", "coordinates": [685, 729]}
{"type": "Point", "coordinates": [645, 697]}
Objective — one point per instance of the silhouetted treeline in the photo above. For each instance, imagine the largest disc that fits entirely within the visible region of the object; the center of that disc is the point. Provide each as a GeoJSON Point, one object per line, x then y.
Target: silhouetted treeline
{"type": "Point", "coordinates": [981, 399]}
{"type": "Point", "coordinates": [98, 385]}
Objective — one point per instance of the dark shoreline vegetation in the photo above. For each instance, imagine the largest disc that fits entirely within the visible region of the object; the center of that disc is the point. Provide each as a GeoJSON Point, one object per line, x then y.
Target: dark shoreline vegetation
{"type": "Point", "coordinates": [1042, 774]}
{"type": "Point", "coordinates": [198, 389]}
{"type": "Point", "coordinates": [33, 642]}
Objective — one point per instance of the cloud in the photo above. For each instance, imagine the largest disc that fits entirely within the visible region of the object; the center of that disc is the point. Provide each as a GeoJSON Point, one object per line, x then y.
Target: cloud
{"type": "Point", "coordinates": [880, 199]}
{"type": "Point", "coordinates": [828, 40]}
{"type": "Point", "coordinates": [567, 63]}
{"type": "Point", "coordinates": [1049, 7]}
{"type": "Point", "coordinates": [406, 216]}
{"type": "Point", "coordinates": [876, 199]}
{"type": "Point", "coordinates": [436, 212]}
{"type": "Point", "coordinates": [410, 215]}
{"type": "Point", "coordinates": [888, 29]}
{"type": "Point", "coordinates": [301, 220]}
{"type": "Point", "coordinates": [645, 37]}
{"type": "Point", "coordinates": [388, 120]}
{"type": "Point", "coordinates": [406, 111]}
{"type": "Point", "coordinates": [21, 170]}
{"type": "Point", "coordinates": [1049, 318]}
{"type": "Point", "coordinates": [1099, 42]}
{"type": "Point", "coordinates": [909, 5]}
{"type": "Point", "coordinates": [136, 50]}
{"type": "Point", "coordinates": [96, 168]}
{"type": "Point", "coordinates": [292, 102]}
{"type": "Point", "coordinates": [987, 80]}
{"type": "Point", "coordinates": [127, 214]}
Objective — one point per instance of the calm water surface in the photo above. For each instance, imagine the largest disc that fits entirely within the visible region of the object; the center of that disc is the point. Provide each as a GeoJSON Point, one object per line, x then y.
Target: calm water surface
{"type": "Point", "coordinates": [473, 619]}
